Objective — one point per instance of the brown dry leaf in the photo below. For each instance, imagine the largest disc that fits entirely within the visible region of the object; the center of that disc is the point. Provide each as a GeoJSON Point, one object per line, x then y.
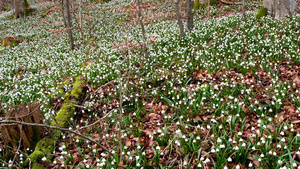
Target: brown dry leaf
{"type": "Point", "coordinates": [77, 158]}
{"type": "Point", "coordinates": [147, 132]}
{"type": "Point", "coordinates": [271, 128]}
{"type": "Point", "coordinates": [179, 151]}
{"type": "Point", "coordinates": [128, 142]}
{"type": "Point", "coordinates": [296, 122]}
{"type": "Point", "coordinates": [164, 107]}
{"type": "Point", "coordinates": [280, 118]}
{"type": "Point", "coordinates": [121, 165]}
{"type": "Point", "coordinates": [297, 81]}
{"type": "Point", "coordinates": [290, 109]}
{"type": "Point", "coordinates": [149, 153]}
{"type": "Point", "coordinates": [152, 115]}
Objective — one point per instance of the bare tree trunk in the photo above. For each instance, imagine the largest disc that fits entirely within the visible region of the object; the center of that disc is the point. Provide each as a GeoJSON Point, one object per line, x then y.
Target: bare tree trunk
{"type": "Point", "coordinates": [68, 22]}
{"type": "Point", "coordinates": [279, 9]}
{"type": "Point", "coordinates": [17, 8]}
{"type": "Point", "coordinates": [179, 19]}
{"type": "Point", "coordinates": [208, 9]}
{"type": "Point", "coordinates": [79, 13]}
{"type": "Point", "coordinates": [244, 12]}
{"type": "Point", "coordinates": [1, 5]}
{"type": "Point", "coordinates": [190, 21]}
{"type": "Point", "coordinates": [21, 8]}
{"type": "Point", "coordinates": [143, 30]}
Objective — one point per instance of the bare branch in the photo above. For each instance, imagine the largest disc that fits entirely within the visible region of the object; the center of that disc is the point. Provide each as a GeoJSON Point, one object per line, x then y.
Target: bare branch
{"type": "Point", "coordinates": [13, 122]}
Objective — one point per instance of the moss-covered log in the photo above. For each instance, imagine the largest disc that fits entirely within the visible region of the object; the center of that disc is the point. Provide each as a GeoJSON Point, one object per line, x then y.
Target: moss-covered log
{"type": "Point", "coordinates": [47, 144]}
{"type": "Point", "coordinates": [262, 12]}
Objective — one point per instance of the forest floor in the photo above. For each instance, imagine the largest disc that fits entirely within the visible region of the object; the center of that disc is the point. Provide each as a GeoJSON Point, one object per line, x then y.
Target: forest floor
{"type": "Point", "coordinates": [227, 95]}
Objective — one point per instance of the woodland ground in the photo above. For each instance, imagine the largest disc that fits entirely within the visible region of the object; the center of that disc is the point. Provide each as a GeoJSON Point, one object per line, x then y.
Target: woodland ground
{"type": "Point", "coordinates": [227, 95]}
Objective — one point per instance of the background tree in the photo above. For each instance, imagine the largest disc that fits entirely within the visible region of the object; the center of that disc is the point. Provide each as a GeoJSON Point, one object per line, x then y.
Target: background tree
{"type": "Point", "coordinates": [278, 8]}
{"type": "Point", "coordinates": [67, 21]}
{"type": "Point", "coordinates": [190, 21]}
{"type": "Point", "coordinates": [179, 19]}
{"type": "Point", "coordinates": [243, 6]}
{"type": "Point", "coordinates": [1, 5]}
{"type": "Point", "coordinates": [21, 8]}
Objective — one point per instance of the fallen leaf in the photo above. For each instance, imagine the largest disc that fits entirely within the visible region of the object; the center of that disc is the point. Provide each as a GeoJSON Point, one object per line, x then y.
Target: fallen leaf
{"type": "Point", "coordinates": [271, 128]}
{"type": "Point", "coordinates": [152, 115]}
{"type": "Point", "coordinates": [295, 122]}
{"type": "Point", "coordinates": [297, 81]}
{"type": "Point", "coordinates": [121, 165]}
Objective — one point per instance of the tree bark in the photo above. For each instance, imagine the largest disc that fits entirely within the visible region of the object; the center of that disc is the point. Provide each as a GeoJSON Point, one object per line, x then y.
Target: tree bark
{"type": "Point", "coordinates": [244, 12]}
{"type": "Point", "coordinates": [21, 8]}
{"type": "Point", "coordinates": [68, 22]}
{"type": "Point", "coordinates": [143, 30]}
{"type": "Point", "coordinates": [208, 8]}
{"type": "Point", "coordinates": [1, 5]}
{"type": "Point", "coordinates": [280, 8]}
{"type": "Point", "coordinates": [190, 21]}
{"type": "Point", "coordinates": [179, 19]}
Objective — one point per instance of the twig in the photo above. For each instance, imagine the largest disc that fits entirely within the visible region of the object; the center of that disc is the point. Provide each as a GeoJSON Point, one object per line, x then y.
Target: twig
{"type": "Point", "coordinates": [13, 122]}
{"type": "Point", "coordinates": [27, 114]}
{"type": "Point", "coordinates": [230, 3]}
{"type": "Point", "coordinates": [99, 119]}
{"type": "Point", "coordinates": [143, 30]}
{"type": "Point", "coordinates": [29, 167]}
{"type": "Point", "coordinates": [19, 146]}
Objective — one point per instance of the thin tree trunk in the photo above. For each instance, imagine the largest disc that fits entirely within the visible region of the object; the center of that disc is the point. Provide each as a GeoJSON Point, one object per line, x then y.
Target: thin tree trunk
{"type": "Point", "coordinates": [179, 19]}
{"type": "Point", "coordinates": [143, 30]}
{"type": "Point", "coordinates": [208, 10]}
{"type": "Point", "coordinates": [79, 13]}
{"type": "Point", "coordinates": [1, 5]}
{"type": "Point", "coordinates": [190, 22]}
{"type": "Point", "coordinates": [17, 8]}
{"type": "Point", "coordinates": [68, 23]}
{"type": "Point", "coordinates": [244, 12]}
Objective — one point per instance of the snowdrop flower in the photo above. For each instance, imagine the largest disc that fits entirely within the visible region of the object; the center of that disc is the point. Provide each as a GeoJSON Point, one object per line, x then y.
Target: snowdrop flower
{"type": "Point", "coordinates": [44, 159]}
{"type": "Point", "coordinates": [250, 165]}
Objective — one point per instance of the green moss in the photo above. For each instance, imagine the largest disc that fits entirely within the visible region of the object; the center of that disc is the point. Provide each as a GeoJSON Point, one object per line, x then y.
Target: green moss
{"type": "Point", "coordinates": [77, 90]}
{"type": "Point", "coordinates": [213, 2]}
{"type": "Point", "coordinates": [196, 5]}
{"type": "Point", "coordinates": [3, 43]}
{"type": "Point", "coordinates": [47, 144]}
{"type": "Point", "coordinates": [262, 12]}
{"type": "Point", "coordinates": [44, 147]}
{"type": "Point", "coordinates": [65, 113]}
{"type": "Point", "coordinates": [45, 13]}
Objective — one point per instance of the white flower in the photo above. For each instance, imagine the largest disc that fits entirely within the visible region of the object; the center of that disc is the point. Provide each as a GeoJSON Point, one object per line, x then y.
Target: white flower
{"type": "Point", "coordinates": [229, 159]}
{"type": "Point", "coordinates": [44, 159]}
{"type": "Point", "coordinates": [222, 146]}
{"type": "Point", "coordinates": [250, 165]}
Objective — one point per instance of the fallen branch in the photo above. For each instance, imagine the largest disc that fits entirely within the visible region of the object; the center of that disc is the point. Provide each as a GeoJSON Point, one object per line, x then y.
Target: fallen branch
{"type": "Point", "coordinates": [13, 122]}
{"type": "Point", "coordinates": [230, 3]}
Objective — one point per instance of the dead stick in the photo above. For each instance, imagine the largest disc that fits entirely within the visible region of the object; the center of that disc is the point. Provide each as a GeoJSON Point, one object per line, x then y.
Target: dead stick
{"type": "Point", "coordinates": [13, 122]}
